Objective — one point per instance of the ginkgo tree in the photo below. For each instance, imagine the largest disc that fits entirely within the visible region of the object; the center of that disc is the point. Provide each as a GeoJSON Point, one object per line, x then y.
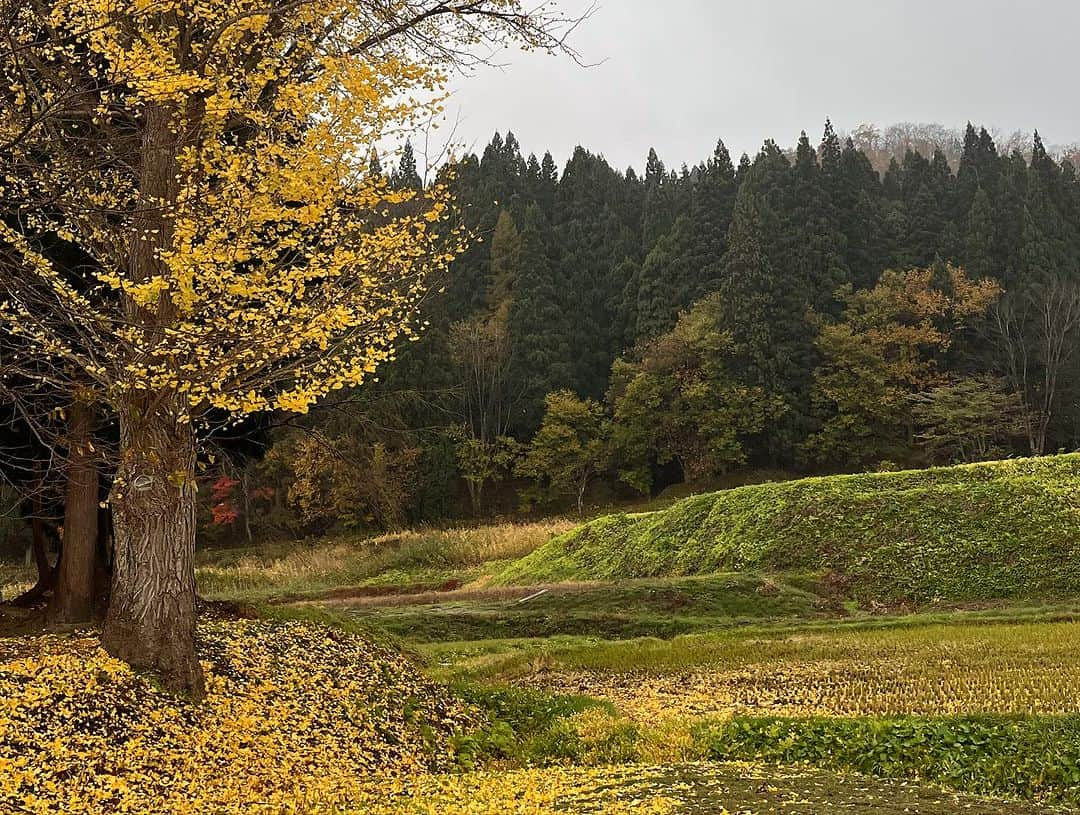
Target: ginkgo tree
{"type": "Point", "coordinates": [211, 159]}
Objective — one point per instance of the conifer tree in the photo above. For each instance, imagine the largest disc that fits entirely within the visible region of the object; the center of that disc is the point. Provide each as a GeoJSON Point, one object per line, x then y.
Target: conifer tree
{"type": "Point", "coordinates": [830, 151]}
{"type": "Point", "coordinates": [753, 313]}
{"type": "Point", "coordinates": [979, 261]}
{"type": "Point", "coordinates": [684, 264]}
{"type": "Point", "coordinates": [1009, 218]}
{"type": "Point", "coordinates": [375, 169]}
{"type": "Point", "coordinates": [666, 283]}
{"type": "Point", "coordinates": [743, 169]}
{"type": "Point", "coordinates": [596, 228]}
{"type": "Point", "coordinates": [1047, 244]}
{"type": "Point", "coordinates": [503, 265]}
{"type": "Point", "coordinates": [892, 184]}
{"type": "Point", "coordinates": [860, 211]}
{"type": "Point", "coordinates": [539, 323]}
{"type": "Point", "coordinates": [406, 177]}
{"type": "Point", "coordinates": [712, 204]}
{"type": "Point", "coordinates": [980, 168]}
{"type": "Point", "coordinates": [814, 263]}
{"type": "Point", "coordinates": [655, 173]}
{"type": "Point", "coordinates": [968, 180]}
{"type": "Point", "coordinates": [659, 203]}
{"type": "Point", "coordinates": [549, 178]}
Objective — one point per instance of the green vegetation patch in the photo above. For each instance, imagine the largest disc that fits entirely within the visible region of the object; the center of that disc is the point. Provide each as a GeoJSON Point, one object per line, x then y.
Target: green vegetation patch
{"type": "Point", "coordinates": [1006, 529]}
{"type": "Point", "coordinates": [635, 608]}
{"type": "Point", "coordinates": [1028, 757]}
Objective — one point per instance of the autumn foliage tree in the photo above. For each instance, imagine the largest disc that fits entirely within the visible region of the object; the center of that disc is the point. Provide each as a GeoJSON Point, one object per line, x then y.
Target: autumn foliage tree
{"type": "Point", "coordinates": [677, 399]}
{"type": "Point", "coordinates": [352, 483]}
{"type": "Point", "coordinates": [885, 348]}
{"type": "Point", "coordinates": [211, 158]}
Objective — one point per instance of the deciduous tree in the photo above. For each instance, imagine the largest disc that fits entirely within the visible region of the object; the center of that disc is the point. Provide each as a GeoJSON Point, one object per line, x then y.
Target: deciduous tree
{"type": "Point", "coordinates": [212, 159]}
{"type": "Point", "coordinates": [677, 398]}
{"type": "Point", "coordinates": [971, 418]}
{"type": "Point", "coordinates": [886, 347]}
{"type": "Point", "coordinates": [569, 449]}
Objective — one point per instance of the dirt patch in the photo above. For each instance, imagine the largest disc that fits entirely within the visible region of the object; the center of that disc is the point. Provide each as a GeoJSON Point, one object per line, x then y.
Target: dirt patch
{"type": "Point", "coordinates": [21, 622]}
{"type": "Point", "coordinates": [224, 610]}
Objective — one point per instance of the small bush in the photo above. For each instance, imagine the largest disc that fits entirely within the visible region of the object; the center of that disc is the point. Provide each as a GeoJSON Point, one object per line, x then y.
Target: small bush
{"type": "Point", "coordinates": [524, 726]}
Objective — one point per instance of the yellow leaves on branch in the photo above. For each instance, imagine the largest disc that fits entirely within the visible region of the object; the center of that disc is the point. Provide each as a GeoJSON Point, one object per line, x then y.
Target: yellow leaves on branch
{"type": "Point", "coordinates": [281, 269]}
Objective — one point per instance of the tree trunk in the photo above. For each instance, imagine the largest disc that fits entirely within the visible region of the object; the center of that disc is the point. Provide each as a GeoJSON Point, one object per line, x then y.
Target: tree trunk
{"type": "Point", "coordinates": [151, 619]}
{"type": "Point", "coordinates": [46, 572]}
{"type": "Point", "coordinates": [40, 547]}
{"type": "Point", "coordinates": [246, 495]}
{"type": "Point", "coordinates": [73, 598]}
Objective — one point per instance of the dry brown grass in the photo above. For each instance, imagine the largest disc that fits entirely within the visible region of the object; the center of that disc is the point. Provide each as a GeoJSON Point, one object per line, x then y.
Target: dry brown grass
{"type": "Point", "coordinates": [415, 558]}
{"type": "Point", "coordinates": [15, 578]}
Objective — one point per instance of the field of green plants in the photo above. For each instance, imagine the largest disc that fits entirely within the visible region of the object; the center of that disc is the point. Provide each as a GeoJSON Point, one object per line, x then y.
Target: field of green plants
{"type": "Point", "coordinates": [883, 643]}
{"type": "Point", "coordinates": [893, 643]}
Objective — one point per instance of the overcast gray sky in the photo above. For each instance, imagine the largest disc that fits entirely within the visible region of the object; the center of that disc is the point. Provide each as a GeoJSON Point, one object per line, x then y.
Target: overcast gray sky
{"type": "Point", "coordinates": [678, 74]}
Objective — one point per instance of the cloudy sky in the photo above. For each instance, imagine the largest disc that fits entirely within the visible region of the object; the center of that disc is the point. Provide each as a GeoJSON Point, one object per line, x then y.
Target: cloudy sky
{"type": "Point", "coordinates": [678, 74]}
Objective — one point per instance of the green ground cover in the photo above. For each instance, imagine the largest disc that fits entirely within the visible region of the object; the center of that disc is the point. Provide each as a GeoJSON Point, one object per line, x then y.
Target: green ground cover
{"type": "Point", "coordinates": [1008, 529]}
{"type": "Point", "coordinates": [902, 642]}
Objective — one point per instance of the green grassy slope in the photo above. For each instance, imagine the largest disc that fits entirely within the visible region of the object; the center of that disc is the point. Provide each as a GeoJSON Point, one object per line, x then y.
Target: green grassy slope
{"type": "Point", "coordinates": [995, 530]}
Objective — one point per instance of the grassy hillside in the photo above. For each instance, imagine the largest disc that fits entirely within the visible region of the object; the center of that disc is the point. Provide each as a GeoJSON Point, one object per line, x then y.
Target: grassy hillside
{"type": "Point", "coordinates": [995, 530]}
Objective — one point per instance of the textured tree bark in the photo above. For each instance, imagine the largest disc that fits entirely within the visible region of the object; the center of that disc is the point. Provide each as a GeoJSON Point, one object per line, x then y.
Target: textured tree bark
{"type": "Point", "coordinates": [39, 546]}
{"type": "Point", "coordinates": [73, 597]}
{"type": "Point", "coordinates": [151, 619]}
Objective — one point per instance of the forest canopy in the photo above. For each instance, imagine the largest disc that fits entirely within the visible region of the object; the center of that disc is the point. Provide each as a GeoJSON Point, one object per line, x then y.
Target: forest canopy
{"type": "Point", "coordinates": [849, 304]}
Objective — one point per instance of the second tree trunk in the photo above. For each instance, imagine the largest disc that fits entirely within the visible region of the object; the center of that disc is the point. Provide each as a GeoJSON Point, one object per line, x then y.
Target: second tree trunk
{"type": "Point", "coordinates": [73, 597]}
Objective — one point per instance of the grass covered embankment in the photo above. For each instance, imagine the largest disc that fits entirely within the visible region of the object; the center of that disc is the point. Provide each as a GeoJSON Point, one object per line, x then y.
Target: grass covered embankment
{"type": "Point", "coordinates": [1008, 529]}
